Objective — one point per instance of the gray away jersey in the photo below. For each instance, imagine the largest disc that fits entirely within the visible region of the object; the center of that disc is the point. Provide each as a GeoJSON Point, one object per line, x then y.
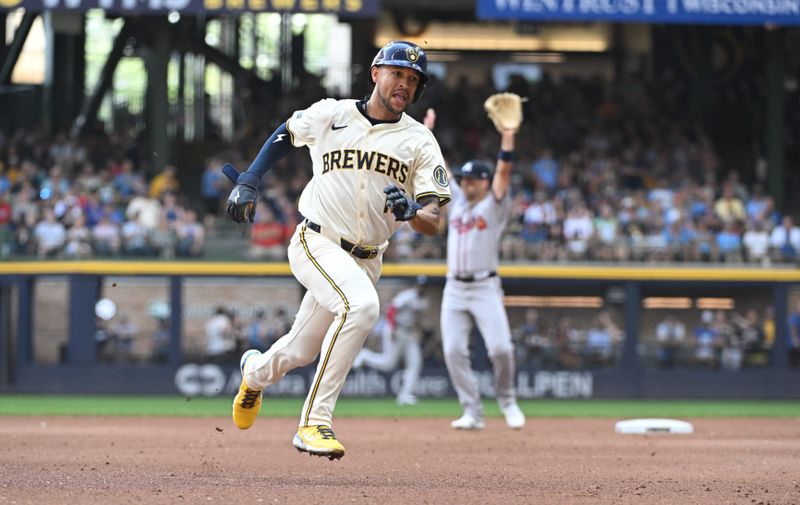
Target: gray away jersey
{"type": "Point", "coordinates": [473, 239]}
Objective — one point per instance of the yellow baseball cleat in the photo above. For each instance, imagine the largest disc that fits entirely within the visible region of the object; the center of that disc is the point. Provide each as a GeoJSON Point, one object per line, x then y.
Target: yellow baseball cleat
{"type": "Point", "coordinates": [247, 402]}
{"type": "Point", "coordinates": [318, 441]}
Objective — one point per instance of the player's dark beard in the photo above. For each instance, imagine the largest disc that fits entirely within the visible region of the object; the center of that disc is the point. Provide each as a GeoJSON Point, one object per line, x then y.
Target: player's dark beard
{"type": "Point", "coordinates": [387, 103]}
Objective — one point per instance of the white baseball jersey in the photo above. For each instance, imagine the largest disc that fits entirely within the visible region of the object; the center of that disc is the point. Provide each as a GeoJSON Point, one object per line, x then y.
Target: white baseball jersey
{"type": "Point", "coordinates": [354, 160]}
{"type": "Point", "coordinates": [473, 239]}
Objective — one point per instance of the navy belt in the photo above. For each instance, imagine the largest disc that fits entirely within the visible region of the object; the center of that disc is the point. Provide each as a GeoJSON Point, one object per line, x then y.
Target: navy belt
{"type": "Point", "coordinates": [362, 252]}
{"type": "Point", "coordinates": [473, 278]}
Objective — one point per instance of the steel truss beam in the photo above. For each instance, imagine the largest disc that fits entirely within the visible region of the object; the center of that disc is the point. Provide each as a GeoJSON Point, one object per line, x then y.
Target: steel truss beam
{"type": "Point", "coordinates": [15, 49]}
{"type": "Point", "coordinates": [92, 104]}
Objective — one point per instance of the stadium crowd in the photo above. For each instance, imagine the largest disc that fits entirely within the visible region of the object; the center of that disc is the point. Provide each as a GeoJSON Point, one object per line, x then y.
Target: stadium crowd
{"type": "Point", "coordinates": [62, 198]}
{"type": "Point", "coordinates": [721, 339]}
{"type": "Point", "coordinates": [604, 172]}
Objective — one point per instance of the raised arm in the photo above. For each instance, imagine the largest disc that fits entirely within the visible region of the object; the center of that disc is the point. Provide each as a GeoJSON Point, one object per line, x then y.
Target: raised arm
{"type": "Point", "coordinates": [502, 174]}
{"type": "Point", "coordinates": [505, 111]}
{"type": "Point", "coordinates": [429, 121]}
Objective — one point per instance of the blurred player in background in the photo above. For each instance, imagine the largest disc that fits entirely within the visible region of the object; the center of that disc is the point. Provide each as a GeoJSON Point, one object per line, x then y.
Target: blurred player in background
{"type": "Point", "coordinates": [403, 317]}
{"type": "Point", "coordinates": [220, 335]}
{"type": "Point", "coordinates": [478, 214]}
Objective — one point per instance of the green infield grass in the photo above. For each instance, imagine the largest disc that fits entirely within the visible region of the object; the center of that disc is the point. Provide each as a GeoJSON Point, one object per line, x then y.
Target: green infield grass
{"type": "Point", "coordinates": [171, 406]}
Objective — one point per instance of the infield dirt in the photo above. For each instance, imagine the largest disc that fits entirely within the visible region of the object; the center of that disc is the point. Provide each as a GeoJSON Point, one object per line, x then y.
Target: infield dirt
{"type": "Point", "coordinates": [79, 460]}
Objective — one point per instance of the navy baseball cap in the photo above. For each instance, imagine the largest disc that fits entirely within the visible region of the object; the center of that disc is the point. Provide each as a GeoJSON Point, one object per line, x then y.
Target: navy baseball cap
{"type": "Point", "coordinates": [475, 169]}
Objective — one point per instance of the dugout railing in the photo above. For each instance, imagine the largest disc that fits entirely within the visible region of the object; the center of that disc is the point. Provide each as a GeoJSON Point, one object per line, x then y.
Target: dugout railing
{"type": "Point", "coordinates": [624, 287]}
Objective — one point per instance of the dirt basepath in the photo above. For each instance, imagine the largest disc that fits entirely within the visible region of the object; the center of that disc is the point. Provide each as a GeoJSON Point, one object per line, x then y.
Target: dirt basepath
{"type": "Point", "coordinates": [409, 461]}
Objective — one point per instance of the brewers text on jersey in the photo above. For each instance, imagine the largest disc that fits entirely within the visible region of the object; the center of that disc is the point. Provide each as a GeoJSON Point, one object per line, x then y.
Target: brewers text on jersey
{"type": "Point", "coordinates": [348, 159]}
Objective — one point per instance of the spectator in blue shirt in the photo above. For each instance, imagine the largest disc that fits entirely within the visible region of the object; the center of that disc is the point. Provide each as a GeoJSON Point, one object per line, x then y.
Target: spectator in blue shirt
{"type": "Point", "coordinates": [707, 341]}
{"type": "Point", "coordinates": [257, 331]}
{"type": "Point", "coordinates": [758, 206]}
{"type": "Point", "coordinates": [697, 204]}
{"type": "Point", "coordinates": [545, 170]}
{"type": "Point", "coordinates": [730, 244]}
{"type": "Point", "coordinates": [5, 184]}
{"type": "Point", "coordinates": [213, 182]}
{"type": "Point", "coordinates": [93, 209]}
{"type": "Point", "coordinates": [128, 182]}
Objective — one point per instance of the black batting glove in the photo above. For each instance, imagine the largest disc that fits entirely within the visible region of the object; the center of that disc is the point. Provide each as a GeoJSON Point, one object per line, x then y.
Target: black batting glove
{"type": "Point", "coordinates": [403, 208]}
{"type": "Point", "coordinates": [242, 203]}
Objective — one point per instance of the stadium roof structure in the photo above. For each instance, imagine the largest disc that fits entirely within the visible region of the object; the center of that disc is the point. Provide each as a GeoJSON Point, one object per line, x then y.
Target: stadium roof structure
{"type": "Point", "coordinates": [744, 12]}
{"type": "Point", "coordinates": [345, 8]}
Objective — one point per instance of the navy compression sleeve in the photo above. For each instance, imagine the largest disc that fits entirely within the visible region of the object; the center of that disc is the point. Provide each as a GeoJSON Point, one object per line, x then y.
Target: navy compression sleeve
{"type": "Point", "coordinates": [274, 149]}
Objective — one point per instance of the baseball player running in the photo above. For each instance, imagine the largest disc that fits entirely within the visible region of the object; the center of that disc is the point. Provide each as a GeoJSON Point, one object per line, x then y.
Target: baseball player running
{"type": "Point", "coordinates": [403, 317]}
{"type": "Point", "coordinates": [374, 168]}
{"type": "Point", "coordinates": [481, 206]}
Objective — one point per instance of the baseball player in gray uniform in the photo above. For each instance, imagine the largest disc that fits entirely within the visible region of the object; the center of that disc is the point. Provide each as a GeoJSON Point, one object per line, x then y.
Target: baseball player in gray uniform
{"type": "Point", "coordinates": [374, 168]}
{"type": "Point", "coordinates": [478, 213]}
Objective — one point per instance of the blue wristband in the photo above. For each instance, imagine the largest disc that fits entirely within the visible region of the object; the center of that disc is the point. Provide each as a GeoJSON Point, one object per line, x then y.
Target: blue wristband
{"type": "Point", "coordinates": [505, 155]}
{"type": "Point", "coordinates": [249, 179]}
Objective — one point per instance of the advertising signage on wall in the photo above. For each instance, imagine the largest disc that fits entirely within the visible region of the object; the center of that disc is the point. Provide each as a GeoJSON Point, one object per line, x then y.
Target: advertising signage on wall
{"type": "Point", "coordinates": [212, 380]}
{"type": "Point", "coordinates": [724, 12]}
{"type": "Point", "coordinates": [349, 8]}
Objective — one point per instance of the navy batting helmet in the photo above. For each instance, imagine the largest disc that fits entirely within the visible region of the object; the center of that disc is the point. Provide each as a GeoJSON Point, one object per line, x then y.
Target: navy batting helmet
{"type": "Point", "coordinates": [474, 169]}
{"type": "Point", "coordinates": [405, 54]}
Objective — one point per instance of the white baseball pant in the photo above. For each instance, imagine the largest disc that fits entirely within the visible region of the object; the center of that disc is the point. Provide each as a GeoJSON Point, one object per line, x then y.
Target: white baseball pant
{"type": "Point", "coordinates": [334, 319]}
{"type": "Point", "coordinates": [482, 301]}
